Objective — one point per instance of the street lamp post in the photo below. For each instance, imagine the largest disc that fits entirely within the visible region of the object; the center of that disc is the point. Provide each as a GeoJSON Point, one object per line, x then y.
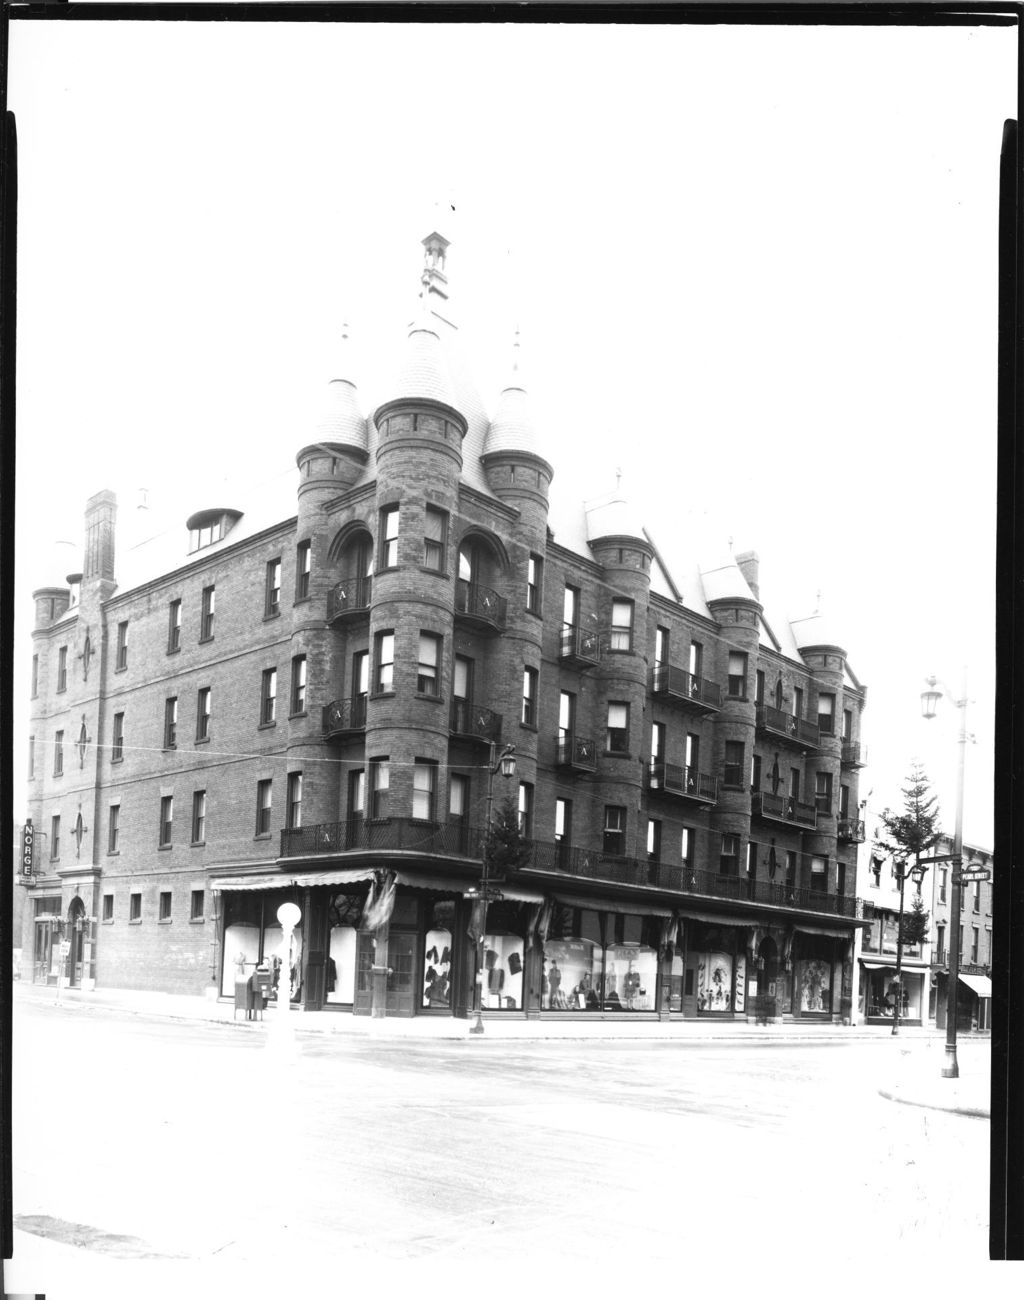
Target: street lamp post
{"type": "Point", "coordinates": [917, 871]}
{"type": "Point", "coordinates": [929, 701]}
{"type": "Point", "coordinates": [506, 763]}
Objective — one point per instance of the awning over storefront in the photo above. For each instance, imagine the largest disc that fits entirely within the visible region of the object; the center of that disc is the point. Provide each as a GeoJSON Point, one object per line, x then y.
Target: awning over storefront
{"type": "Point", "coordinates": [832, 931]}
{"type": "Point", "coordinates": [718, 918]}
{"type": "Point", "coordinates": [980, 984]}
{"type": "Point", "coordinates": [279, 880]}
{"type": "Point", "coordinates": [877, 965]}
{"type": "Point", "coordinates": [440, 884]}
{"type": "Point", "coordinates": [611, 905]}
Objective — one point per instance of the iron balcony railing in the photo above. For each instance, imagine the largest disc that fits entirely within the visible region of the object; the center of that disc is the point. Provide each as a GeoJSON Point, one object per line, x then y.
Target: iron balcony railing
{"type": "Point", "coordinates": [344, 715]}
{"type": "Point", "coordinates": [468, 719]}
{"type": "Point", "coordinates": [852, 755]}
{"type": "Point", "coordinates": [349, 597]}
{"type": "Point", "coordinates": [480, 603]}
{"type": "Point", "coordinates": [576, 751]}
{"type": "Point", "coordinates": [779, 808]}
{"type": "Point", "coordinates": [850, 829]}
{"type": "Point", "coordinates": [361, 834]}
{"type": "Point", "coordinates": [779, 723]}
{"type": "Point", "coordinates": [677, 684]}
{"type": "Point", "coordinates": [579, 645]}
{"type": "Point", "coordinates": [686, 782]}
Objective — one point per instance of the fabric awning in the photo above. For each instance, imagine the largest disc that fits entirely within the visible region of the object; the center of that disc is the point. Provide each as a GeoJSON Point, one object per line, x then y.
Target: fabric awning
{"type": "Point", "coordinates": [285, 880]}
{"type": "Point", "coordinates": [718, 918]}
{"type": "Point", "coordinates": [832, 931]}
{"type": "Point", "coordinates": [441, 884]}
{"type": "Point", "coordinates": [611, 905]}
{"type": "Point", "coordinates": [877, 965]}
{"type": "Point", "coordinates": [980, 984]}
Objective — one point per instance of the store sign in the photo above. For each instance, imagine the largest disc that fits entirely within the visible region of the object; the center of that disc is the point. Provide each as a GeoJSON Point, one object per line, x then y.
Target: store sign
{"type": "Point", "coordinates": [28, 838]}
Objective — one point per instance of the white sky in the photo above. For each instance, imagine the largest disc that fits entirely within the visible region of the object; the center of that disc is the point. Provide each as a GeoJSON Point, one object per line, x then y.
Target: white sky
{"type": "Point", "coordinates": [754, 269]}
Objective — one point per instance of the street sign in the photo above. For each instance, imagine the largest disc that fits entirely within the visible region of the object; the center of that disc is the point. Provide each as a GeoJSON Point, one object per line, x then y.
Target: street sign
{"type": "Point", "coordinates": [975, 873]}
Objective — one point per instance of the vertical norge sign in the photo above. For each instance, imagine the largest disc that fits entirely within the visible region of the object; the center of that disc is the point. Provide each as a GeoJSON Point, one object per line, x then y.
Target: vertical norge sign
{"type": "Point", "coordinates": [28, 841]}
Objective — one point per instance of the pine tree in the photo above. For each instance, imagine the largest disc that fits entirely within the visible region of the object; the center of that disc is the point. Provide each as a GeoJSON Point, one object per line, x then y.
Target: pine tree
{"type": "Point", "coordinates": [907, 835]}
{"type": "Point", "coordinates": [915, 923]}
{"type": "Point", "coordinates": [506, 846]}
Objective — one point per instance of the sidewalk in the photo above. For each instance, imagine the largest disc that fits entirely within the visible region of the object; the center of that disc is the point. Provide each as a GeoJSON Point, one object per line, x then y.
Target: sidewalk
{"type": "Point", "coordinates": [916, 1079]}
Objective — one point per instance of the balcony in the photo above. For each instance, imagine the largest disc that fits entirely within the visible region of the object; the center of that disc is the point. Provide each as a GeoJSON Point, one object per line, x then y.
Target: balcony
{"type": "Point", "coordinates": [677, 686]}
{"type": "Point", "coordinates": [579, 647]}
{"type": "Point", "coordinates": [344, 717]}
{"type": "Point", "coordinates": [455, 839]}
{"type": "Point", "coordinates": [474, 722]}
{"type": "Point", "coordinates": [576, 752]}
{"type": "Point", "coordinates": [851, 830]}
{"type": "Point", "coordinates": [852, 755]}
{"type": "Point", "coordinates": [480, 606]}
{"type": "Point", "coordinates": [784, 726]}
{"type": "Point", "coordinates": [682, 783]}
{"type": "Point", "coordinates": [349, 599]}
{"type": "Point", "coordinates": [777, 808]}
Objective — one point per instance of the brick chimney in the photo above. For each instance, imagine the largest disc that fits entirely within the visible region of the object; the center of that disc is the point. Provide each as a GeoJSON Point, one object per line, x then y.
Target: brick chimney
{"type": "Point", "coordinates": [100, 514]}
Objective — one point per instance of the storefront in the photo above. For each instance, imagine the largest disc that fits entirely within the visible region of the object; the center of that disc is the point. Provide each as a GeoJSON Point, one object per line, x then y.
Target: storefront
{"type": "Point", "coordinates": [973, 1001]}
{"type": "Point", "coordinates": [880, 992]}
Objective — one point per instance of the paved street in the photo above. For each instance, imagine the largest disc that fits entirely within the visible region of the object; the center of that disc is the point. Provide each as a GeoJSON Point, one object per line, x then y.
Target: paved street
{"type": "Point", "coordinates": [160, 1156]}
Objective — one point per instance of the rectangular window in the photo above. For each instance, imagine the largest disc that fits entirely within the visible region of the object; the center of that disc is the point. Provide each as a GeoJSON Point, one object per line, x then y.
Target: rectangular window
{"type": "Point", "coordinates": [357, 794]}
{"type": "Point", "coordinates": [298, 685]}
{"type": "Point", "coordinates": [121, 655]}
{"type": "Point", "coordinates": [203, 700]}
{"type": "Point", "coordinates": [661, 642]}
{"type": "Point", "coordinates": [974, 945]}
{"type": "Point", "coordinates": [530, 677]}
{"type": "Point", "coordinates": [617, 737]}
{"type": "Point", "coordinates": [729, 856]}
{"type": "Point", "coordinates": [303, 565]}
{"type": "Point", "coordinates": [794, 784]}
{"type": "Point", "coordinates": [380, 783]}
{"type": "Point", "coordinates": [35, 676]}
{"type": "Point", "coordinates": [389, 538]}
{"type": "Point", "coordinates": [696, 659]}
{"type": "Point", "coordinates": [462, 678]}
{"type": "Point", "coordinates": [847, 724]}
{"type": "Point", "coordinates": [823, 793]}
{"type": "Point", "coordinates": [173, 627]}
{"type": "Point", "coordinates": [751, 858]}
{"type": "Point", "coordinates": [614, 830]}
{"type": "Point", "coordinates": [458, 797]}
{"type": "Point", "coordinates": [733, 768]}
{"type": "Point", "coordinates": [791, 867]}
{"type": "Point", "coordinates": [737, 675]}
{"type": "Point", "coordinates": [566, 718]}
{"type": "Point", "coordinates": [819, 874]}
{"type": "Point", "coordinates": [692, 752]}
{"type": "Point", "coordinates": [571, 606]}
{"type": "Point", "coordinates": [58, 753]}
{"type": "Point", "coordinates": [844, 801]}
{"type": "Point", "coordinates": [207, 614]}
{"type": "Point", "coordinates": [424, 784]}
{"type": "Point", "coordinates": [135, 907]}
{"type": "Point", "coordinates": [268, 697]}
{"type": "Point", "coordinates": [428, 670]}
{"type": "Point", "coordinates": [755, 772]}
{"type": "Point", "coordinates": [171, 722]}
{"type": "Point", "coordinates": [294, 801]}
{"type": "Point", "coordinates": [653, 840]}
{"type": "Point", "coordinates": [943, 874]}
{"type": "Point", "coordinates": [62, 668]}
{"type": "Point", "coordinates": [117, 740]}
{"type": "Point", "coordinates": [840, 878]}
{"type": "Point", "coordinates": [54, 839]}
{"type": "Point", "coordinates": [264, 798]}
{"type": "Point", "coordinates": [197, 905]}
{"type": "Point", "coordinates": [876, 872]}
{"type": "Point", "coordinates": [940, 942]}
{"type": "Point", "coordinates": [686, 846]}
{"type": "Point", "coordinates": [199, 817]}
{"type": "Point", "coordinates": [108, 907]}
{"type": "Point", "coordinates": [272, 597]}
{"type": "Point", "coordinates": [165, 905]}
{"type": "Point", "coordinates": [759, 687]}
{"type": "Point", "coordinates": [384, 670]}
{"type": "Point", "coordinates": [827, 714]}
{"type": "Point", "coordinates": [435, 527]}
{"type": "Point", "coordinates": [526, 809]}
{"type": "Point", "coordinates": [798, 702]}
{"type": "Point", "coordinates": [31, 757]}
{"type": "Point", "coordinates": [657, 743]}
{"type": "Point", "coordinates": [534, 576]}
{"type": "Point", "coordinates": [622, 625]}
{"type": "Point", "coordinates": [166, 820]}
{"type": "Point", "coordinates": [114, 828]}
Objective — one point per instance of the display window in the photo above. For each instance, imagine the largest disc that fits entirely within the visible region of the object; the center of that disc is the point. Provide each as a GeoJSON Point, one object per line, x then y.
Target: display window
{"type": "Point", "coordinates": [343, 913]}
{"type": "Point", "coordinates": [572, 977]}
{"type": "Point", "coordinates": [252, 935]}
{"type": "Point", "coordinates": [882, 991]}
{"type": "Point", "coordinates": [814, 984]}
{"type": "Point", "coordinates": [503, 972]}
{"type": "Point", "coordinates": [630, 978]}
{"type": "Point", "coordinates": [437, 955]}
{"type": "Point", "coordinates": [714, 982]}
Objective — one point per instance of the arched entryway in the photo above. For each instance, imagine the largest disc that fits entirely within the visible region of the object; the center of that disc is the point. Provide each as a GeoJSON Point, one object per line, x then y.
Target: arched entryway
{"type": "Point", "coordinates": [77, 932]}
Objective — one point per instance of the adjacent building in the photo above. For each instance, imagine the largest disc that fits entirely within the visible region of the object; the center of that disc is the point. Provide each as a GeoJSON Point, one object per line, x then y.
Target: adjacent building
{"type": "Point", "coordinates": [974, 987]}
{"type": "Point", "coordinates": [304, 701]}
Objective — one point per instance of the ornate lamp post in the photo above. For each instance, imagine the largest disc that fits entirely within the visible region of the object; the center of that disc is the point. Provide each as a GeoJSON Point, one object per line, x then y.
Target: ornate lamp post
{"type": "Point", "coordinates": [917, 871]}
{"type": "Point", "coordinates": [289, 915]}
{"type": "Point", "coordinates": [929, 701]}
{"type": "Point", "coordinates": [506, 763]}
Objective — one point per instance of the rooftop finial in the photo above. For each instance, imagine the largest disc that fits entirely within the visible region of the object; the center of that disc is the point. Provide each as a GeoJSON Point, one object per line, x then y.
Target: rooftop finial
{"type": "Point", "coordinates": [433, 277]}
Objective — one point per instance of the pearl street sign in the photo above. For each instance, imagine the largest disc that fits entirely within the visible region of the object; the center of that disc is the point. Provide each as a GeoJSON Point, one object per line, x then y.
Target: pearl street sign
{"type": "Point", "coordinates": [974, 873]}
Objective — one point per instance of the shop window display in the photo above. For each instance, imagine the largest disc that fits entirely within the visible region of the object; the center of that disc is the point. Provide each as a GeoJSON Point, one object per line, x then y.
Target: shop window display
{"type": "Point", "coordinates": [630, 976]}
{"type": "Point", "coordinates": [503, 972]}
{"type": "Point", "coordinates": [714, 981]}
{"type": "Point", "coordinates": [573, 975]}
{"type": "Point", "coordinates": [252, 935]}
{"type": "Point", "coordinates": [814, 982]}
{"type": "Point", "coordinates": [344, 913]}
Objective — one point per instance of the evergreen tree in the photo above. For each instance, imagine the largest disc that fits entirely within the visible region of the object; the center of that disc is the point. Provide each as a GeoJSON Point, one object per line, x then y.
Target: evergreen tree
{"type": "Point", "coordinates": [506, 846]}
{"type": "Point", "coordinates": [906, 836]}
{"type": "Point", "coordinates": [915, 923]}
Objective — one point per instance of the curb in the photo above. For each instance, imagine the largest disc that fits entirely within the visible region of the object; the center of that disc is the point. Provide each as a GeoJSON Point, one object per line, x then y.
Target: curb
{"type": "Point", "coordinates": [971, 1112]}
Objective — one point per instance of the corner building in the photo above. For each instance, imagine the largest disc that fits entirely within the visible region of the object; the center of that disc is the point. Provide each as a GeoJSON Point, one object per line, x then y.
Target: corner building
{"type": "Point", "coordinates": [308, 710]}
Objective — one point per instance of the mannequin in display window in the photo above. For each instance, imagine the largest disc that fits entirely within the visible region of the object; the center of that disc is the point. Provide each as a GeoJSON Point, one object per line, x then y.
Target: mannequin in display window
{"type": "Point", "coordinates": [555, 985]}
{"type": "Point", "coordinates": [631, 987]}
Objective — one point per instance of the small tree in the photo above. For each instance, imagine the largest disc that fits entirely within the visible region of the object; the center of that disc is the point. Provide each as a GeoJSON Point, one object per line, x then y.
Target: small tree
{"type": "Point", "coordinates": [915, 923]}
{"type": "Point", "coordinates": [506, 846]}
{"type": "Point", "coordinates": [907, 835]}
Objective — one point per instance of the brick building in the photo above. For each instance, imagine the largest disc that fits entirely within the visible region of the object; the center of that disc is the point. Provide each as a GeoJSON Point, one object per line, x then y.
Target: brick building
{"type": "Point", "coordinates": [307, 709]}
{"type": "Point", "coordinates": [974, 991]}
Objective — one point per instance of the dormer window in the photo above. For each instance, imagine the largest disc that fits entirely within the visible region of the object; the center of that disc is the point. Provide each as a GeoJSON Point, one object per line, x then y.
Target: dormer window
{"type": "Point", "coordinates": [208, 526]}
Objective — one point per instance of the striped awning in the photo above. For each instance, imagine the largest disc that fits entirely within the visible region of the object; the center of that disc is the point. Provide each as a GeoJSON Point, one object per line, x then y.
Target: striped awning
{"type": "Point", "coordinates": [291, 880]}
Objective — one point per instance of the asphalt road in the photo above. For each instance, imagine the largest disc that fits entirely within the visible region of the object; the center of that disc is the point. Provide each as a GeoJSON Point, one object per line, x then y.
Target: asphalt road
{"type": "Point", "coordinates": [193, 1157]}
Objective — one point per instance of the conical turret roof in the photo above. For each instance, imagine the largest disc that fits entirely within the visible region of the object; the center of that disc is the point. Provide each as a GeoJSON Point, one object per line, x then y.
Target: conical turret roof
{"type": "Point", "coordinates": [512, 428]}
{"type": "Point", "coordinates": [423, 373]}
{"type": "Point", "coordinates": [342, 422]}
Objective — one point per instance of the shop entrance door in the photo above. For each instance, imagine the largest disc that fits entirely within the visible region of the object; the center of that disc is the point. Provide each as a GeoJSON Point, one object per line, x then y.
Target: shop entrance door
{"type": "Point", "coordinates": [401, 986]}
{"type": "Point", "coordinates": [76, 934]}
